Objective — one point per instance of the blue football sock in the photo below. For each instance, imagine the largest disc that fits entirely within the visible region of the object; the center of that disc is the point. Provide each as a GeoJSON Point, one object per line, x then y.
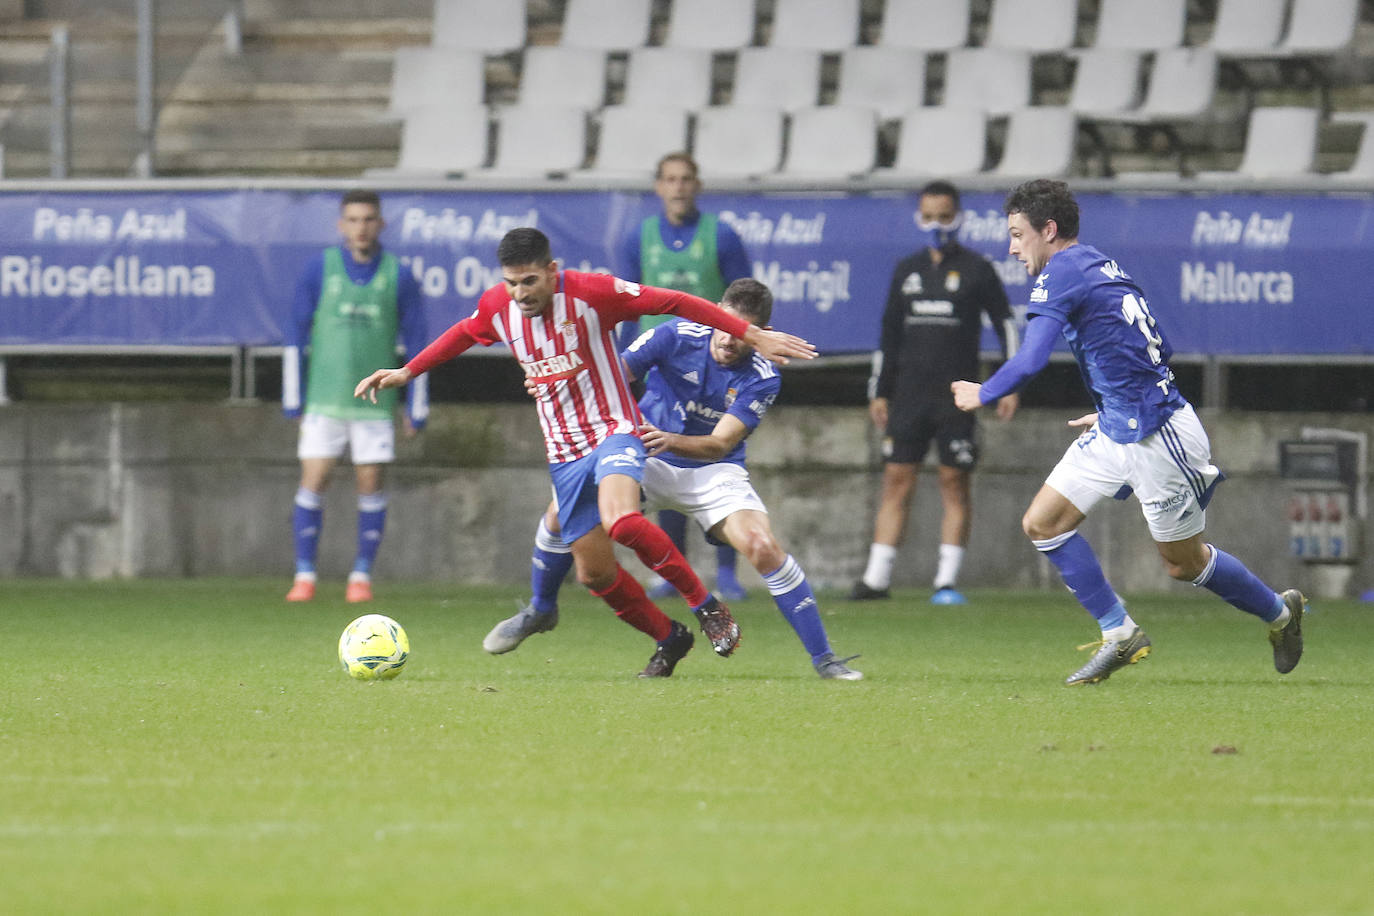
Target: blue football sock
{"type": "Point", "coordinates": [548, 568]}
{"type": "Point", "coordinates": [1239, 587]}
{"type": "Point", "coordinates": [371, 523]}
{"type": "Point", "coordinates": [307, 517]}
{"type": "Point", "coordinates": [794, 598]}
{"type": "Point", "coordinates": [674, 524]}
{"type": "Point", "coordinates": [1073, 556]}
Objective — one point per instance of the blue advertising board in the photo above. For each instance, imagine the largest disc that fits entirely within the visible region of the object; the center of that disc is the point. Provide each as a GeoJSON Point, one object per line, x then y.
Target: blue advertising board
{"type": "Point", "coordinates": [1225, 274]}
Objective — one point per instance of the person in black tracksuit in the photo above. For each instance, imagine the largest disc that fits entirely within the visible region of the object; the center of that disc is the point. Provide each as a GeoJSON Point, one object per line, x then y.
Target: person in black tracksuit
{"type": "Point", "coordinates": [930, 335]}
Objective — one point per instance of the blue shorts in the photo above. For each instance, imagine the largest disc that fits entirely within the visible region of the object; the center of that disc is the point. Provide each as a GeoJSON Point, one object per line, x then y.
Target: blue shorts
{"type": "Point", "coordinates": [575, 482]}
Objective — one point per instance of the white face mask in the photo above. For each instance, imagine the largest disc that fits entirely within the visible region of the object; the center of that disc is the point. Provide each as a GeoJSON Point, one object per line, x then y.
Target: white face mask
{"type": "Point", "coordinates": [940, 234]}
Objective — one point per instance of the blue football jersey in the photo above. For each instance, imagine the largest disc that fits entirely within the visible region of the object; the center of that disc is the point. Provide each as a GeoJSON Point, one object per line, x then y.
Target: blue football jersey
{"type": "Point", "coordinates": [687, 391]}
{"type": "Point", "coordinates": [1121, 352]}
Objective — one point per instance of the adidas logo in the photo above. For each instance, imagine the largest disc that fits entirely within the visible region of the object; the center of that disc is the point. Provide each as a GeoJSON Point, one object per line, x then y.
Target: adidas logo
{"type": "Point", "coordinates": [692, 377]}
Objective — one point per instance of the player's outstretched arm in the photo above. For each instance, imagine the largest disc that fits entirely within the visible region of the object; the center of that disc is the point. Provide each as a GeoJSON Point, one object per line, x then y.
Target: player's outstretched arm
{"type": "Point", "coordinates": [382, 378]}
{"type": "Point", "coordinates": [778, 346]}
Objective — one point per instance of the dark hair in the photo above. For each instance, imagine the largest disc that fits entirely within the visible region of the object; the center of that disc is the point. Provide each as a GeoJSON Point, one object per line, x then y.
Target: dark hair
{"type": "Point", "coordinates": [685, 158]}
{"type": "Point", "coordinates": [751, 299]}
{"type": "Point", "coordinates": [360, 196]}
{"type": "Point", "coordinates": [1043, 200]}
{"type": "Point", "coordinates": [522, 246]}
{"type": "Point", "coordinates": [941, 188]}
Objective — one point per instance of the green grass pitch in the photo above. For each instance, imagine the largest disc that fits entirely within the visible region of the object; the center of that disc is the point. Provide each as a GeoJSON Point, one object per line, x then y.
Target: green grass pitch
{"type": "Point", "coordinates": [194, 747]}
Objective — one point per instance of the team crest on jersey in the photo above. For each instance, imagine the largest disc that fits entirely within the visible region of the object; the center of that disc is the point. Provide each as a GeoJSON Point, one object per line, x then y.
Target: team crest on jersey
{"type": "Point", "coordinates": [952, 281]}
{"type": "Point", "coordinates": [729, 397]}
{"type": "Point", "coordinates": [911, 286]}
{"type": "Point", "coordinates": [625, 286]}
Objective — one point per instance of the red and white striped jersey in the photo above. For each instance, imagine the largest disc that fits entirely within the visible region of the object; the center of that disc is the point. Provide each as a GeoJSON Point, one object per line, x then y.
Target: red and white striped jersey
{"type": "Point", "coordinates": [570, 349]}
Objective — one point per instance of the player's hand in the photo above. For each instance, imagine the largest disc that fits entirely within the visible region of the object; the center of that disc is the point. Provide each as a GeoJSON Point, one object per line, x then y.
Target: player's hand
{"type": "Point", "coordinates": [877, 410]}
{"type": "Point", "coordinates": [777, 346]}
{"type": "Point", "coordinates": [655, 440]}
{"type": "Point", "coordinates": [532, 386]}
{"type": "Point", "coordinates": [382, 378]}
{"type": "Point", "coordinates": [1088, 419]}
{"type": "Point", "coordinates": [966, 395]}
{"type": "Point", "coordinates": [1006, 406]}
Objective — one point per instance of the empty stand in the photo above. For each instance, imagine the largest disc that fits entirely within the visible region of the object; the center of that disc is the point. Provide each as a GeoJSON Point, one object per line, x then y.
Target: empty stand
{"type": "Point", "coordinates": [479, 25]}
{"type": "Point", "coordinates": [1362, 169]}
{"type": "Point", "coordinates": [1183, 83]}
{"type": "Point", "coordinates": [425, 77]}
{"type": "Point", "coordinates": [1040, 143]}
{"type": "Point", "coordinates": [609, 25]}
{"type": "Point", "coordinates": [442, 140]}
{"type": "Point", "coordinates": [668, 76]}
{"type": "Point", "coordinates": [563, 76]}
{"type": "Point", "coordinates": [1035, 25]}
{"type": "Point", "coordinates": [788, 78]}
{"type": "Point", "coordinates": [710, 24]}
{"type": "Point", "coordinates": [941, 141]}
{"type": "Point", "coordinates": [1143, 25]}
{"type": "Point", "coordinates": [1106, 81]}
{"type": "Point", "coordinates": [1247, 26]}
{"type": "Point", "coordinates": [996, 80]}
{"type": "Point", "coordinates": [928, 25]}
{"type": "Point", "coordinates": [1281, 142]}
{"type": "Point", "coordinates": [825, 25]}
{"type": "Point", "coordinates": [534, 141]}
{"type": "Point", "coordinates": [738, 141]}
{"type": "Point", "coordinates": [633, 139]}
{"type": "Point", "coordinates": [1320, 26]}
{"type": "Point", "coordinates": [888, 80]}
{"type": "Point", "coordinates": [830, 144]}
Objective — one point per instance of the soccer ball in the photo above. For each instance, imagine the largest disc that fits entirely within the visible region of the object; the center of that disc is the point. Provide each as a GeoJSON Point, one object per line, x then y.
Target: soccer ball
{"type": "Point", "coordinates": [374, 647]}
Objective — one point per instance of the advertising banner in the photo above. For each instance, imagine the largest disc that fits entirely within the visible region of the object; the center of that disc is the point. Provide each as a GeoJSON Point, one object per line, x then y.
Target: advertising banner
{"type": "Point", "coordinates": [1224, 274]}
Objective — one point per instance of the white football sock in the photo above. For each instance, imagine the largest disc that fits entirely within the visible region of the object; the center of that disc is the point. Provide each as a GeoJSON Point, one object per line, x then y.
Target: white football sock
{"type": "Point", "coordinates": [878, 575]}
{"type": "Point", "coordinates": [947, 572]}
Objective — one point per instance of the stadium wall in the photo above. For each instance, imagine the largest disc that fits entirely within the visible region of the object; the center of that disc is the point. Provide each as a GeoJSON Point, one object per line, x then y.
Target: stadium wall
{"type": "Point", "coordinates": [182, 489]}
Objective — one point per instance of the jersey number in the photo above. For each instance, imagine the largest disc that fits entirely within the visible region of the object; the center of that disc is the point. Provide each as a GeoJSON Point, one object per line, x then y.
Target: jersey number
{"type": "Point", "coordinates": [1138, 313]}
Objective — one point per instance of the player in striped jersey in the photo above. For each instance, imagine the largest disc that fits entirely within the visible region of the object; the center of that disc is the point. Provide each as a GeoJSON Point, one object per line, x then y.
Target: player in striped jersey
{"type": "Point", "coordinates": [705, 392]}
{"type": "Point", "coordinates": [559, 325]}
{"type": "Point", "coordinates": [1144, 438]}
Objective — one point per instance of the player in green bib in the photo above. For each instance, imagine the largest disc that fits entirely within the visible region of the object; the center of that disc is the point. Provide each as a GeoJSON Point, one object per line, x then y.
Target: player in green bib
{"type": "Point", "coordinates": [683, 248]}
{"type": "Point", "coordinates": [352, 302]}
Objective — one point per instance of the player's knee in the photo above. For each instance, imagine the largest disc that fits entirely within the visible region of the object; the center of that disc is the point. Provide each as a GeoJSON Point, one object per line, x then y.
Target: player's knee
{"type": "Point", "coordinates": [763, 550]}
{"type": "Point", "coordinates": [597, 580]}
{"type": "Point", "coordinates": [1034, 528]}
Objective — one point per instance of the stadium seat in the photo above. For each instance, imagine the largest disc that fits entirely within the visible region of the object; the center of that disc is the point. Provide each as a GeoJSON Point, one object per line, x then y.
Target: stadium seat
{"type": "Point", "coordinates": [441, 140]}
{"type": "Point", "coordinates": [710, 24]}
{"type": "Point", "coordinates": [563, 76]}
{"type": "Point", "coordinates": [668, 76]}
{"type": "Point", "coordinates": [1320, 27]}
{"type": "Point", "coordinates": [738, 141]}
{"type": "Point", "coordinates": [1362, 170]}
{"type": "Point", "coordinates": [1183, 83]}
{"type": "Point", "coordinates": [609, 25]}
{"type": "Point", "coordinates": [1106, 81]}
{"type": "Point", "coordinates": [927, 25]}
{"type": "Point", "coordinates": [996, 80]}
{"type": "Point", "coordinates": [1281, 142]}
{"type": "Point", "coordinates": [830, 143]}
{"type": "Point", "coordinates": [1245, 27]}
{"type": "Point", "coordinates": [822, 25]}
{"type": "Point", "coordinates": [479, 25]}
{"type": "Point", "coordinates": [424, 77]}
{"type": "Point", "coordinates": [788, 78]}
{"type": "Point", "coordinates": [1040, 142]}
{"type": "Point", "coordinates": [535, 141]}
{"type": "Point", "coordinates": [634, 138]}
{"type": "Point", "coordinates": [888, 80]}
{"type": "Point", "coordinates": [1142, 25]}
{"type": "Point", "coordinates": [940, 141]}
{"type": "Point", "coordinates": [1034, 25]}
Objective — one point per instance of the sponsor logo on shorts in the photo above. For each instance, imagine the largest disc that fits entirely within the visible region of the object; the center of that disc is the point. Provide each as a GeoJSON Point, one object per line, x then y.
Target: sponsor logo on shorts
{"type": "Point", "coordinates": [1169, 503]}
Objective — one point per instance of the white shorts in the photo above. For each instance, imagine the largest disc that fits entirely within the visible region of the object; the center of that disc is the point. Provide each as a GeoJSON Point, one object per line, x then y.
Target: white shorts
{"type": "Point", "coordinates": [1170, 471]}
{"type": "Point", "coordinates": [368, 441]}
{"type": "Point", "coordinates": [708, 494]}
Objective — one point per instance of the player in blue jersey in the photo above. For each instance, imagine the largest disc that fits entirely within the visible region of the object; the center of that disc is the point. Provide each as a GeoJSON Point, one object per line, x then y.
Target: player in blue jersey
{"type": "Point", "coordinates": [705, 392]}
{"type": "Point", "coordinates": [352, 302]}
{"type": "Point", "coordinates": [698, 253]}
{"type": "Point", "coordinates": [1144, 438]}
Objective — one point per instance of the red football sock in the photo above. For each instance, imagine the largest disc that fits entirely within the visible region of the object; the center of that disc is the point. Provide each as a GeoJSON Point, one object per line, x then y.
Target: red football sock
{"type": "Point", "coordinates": [657, 551]}
{"type": "Point", "coordinates": [626, 597]}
